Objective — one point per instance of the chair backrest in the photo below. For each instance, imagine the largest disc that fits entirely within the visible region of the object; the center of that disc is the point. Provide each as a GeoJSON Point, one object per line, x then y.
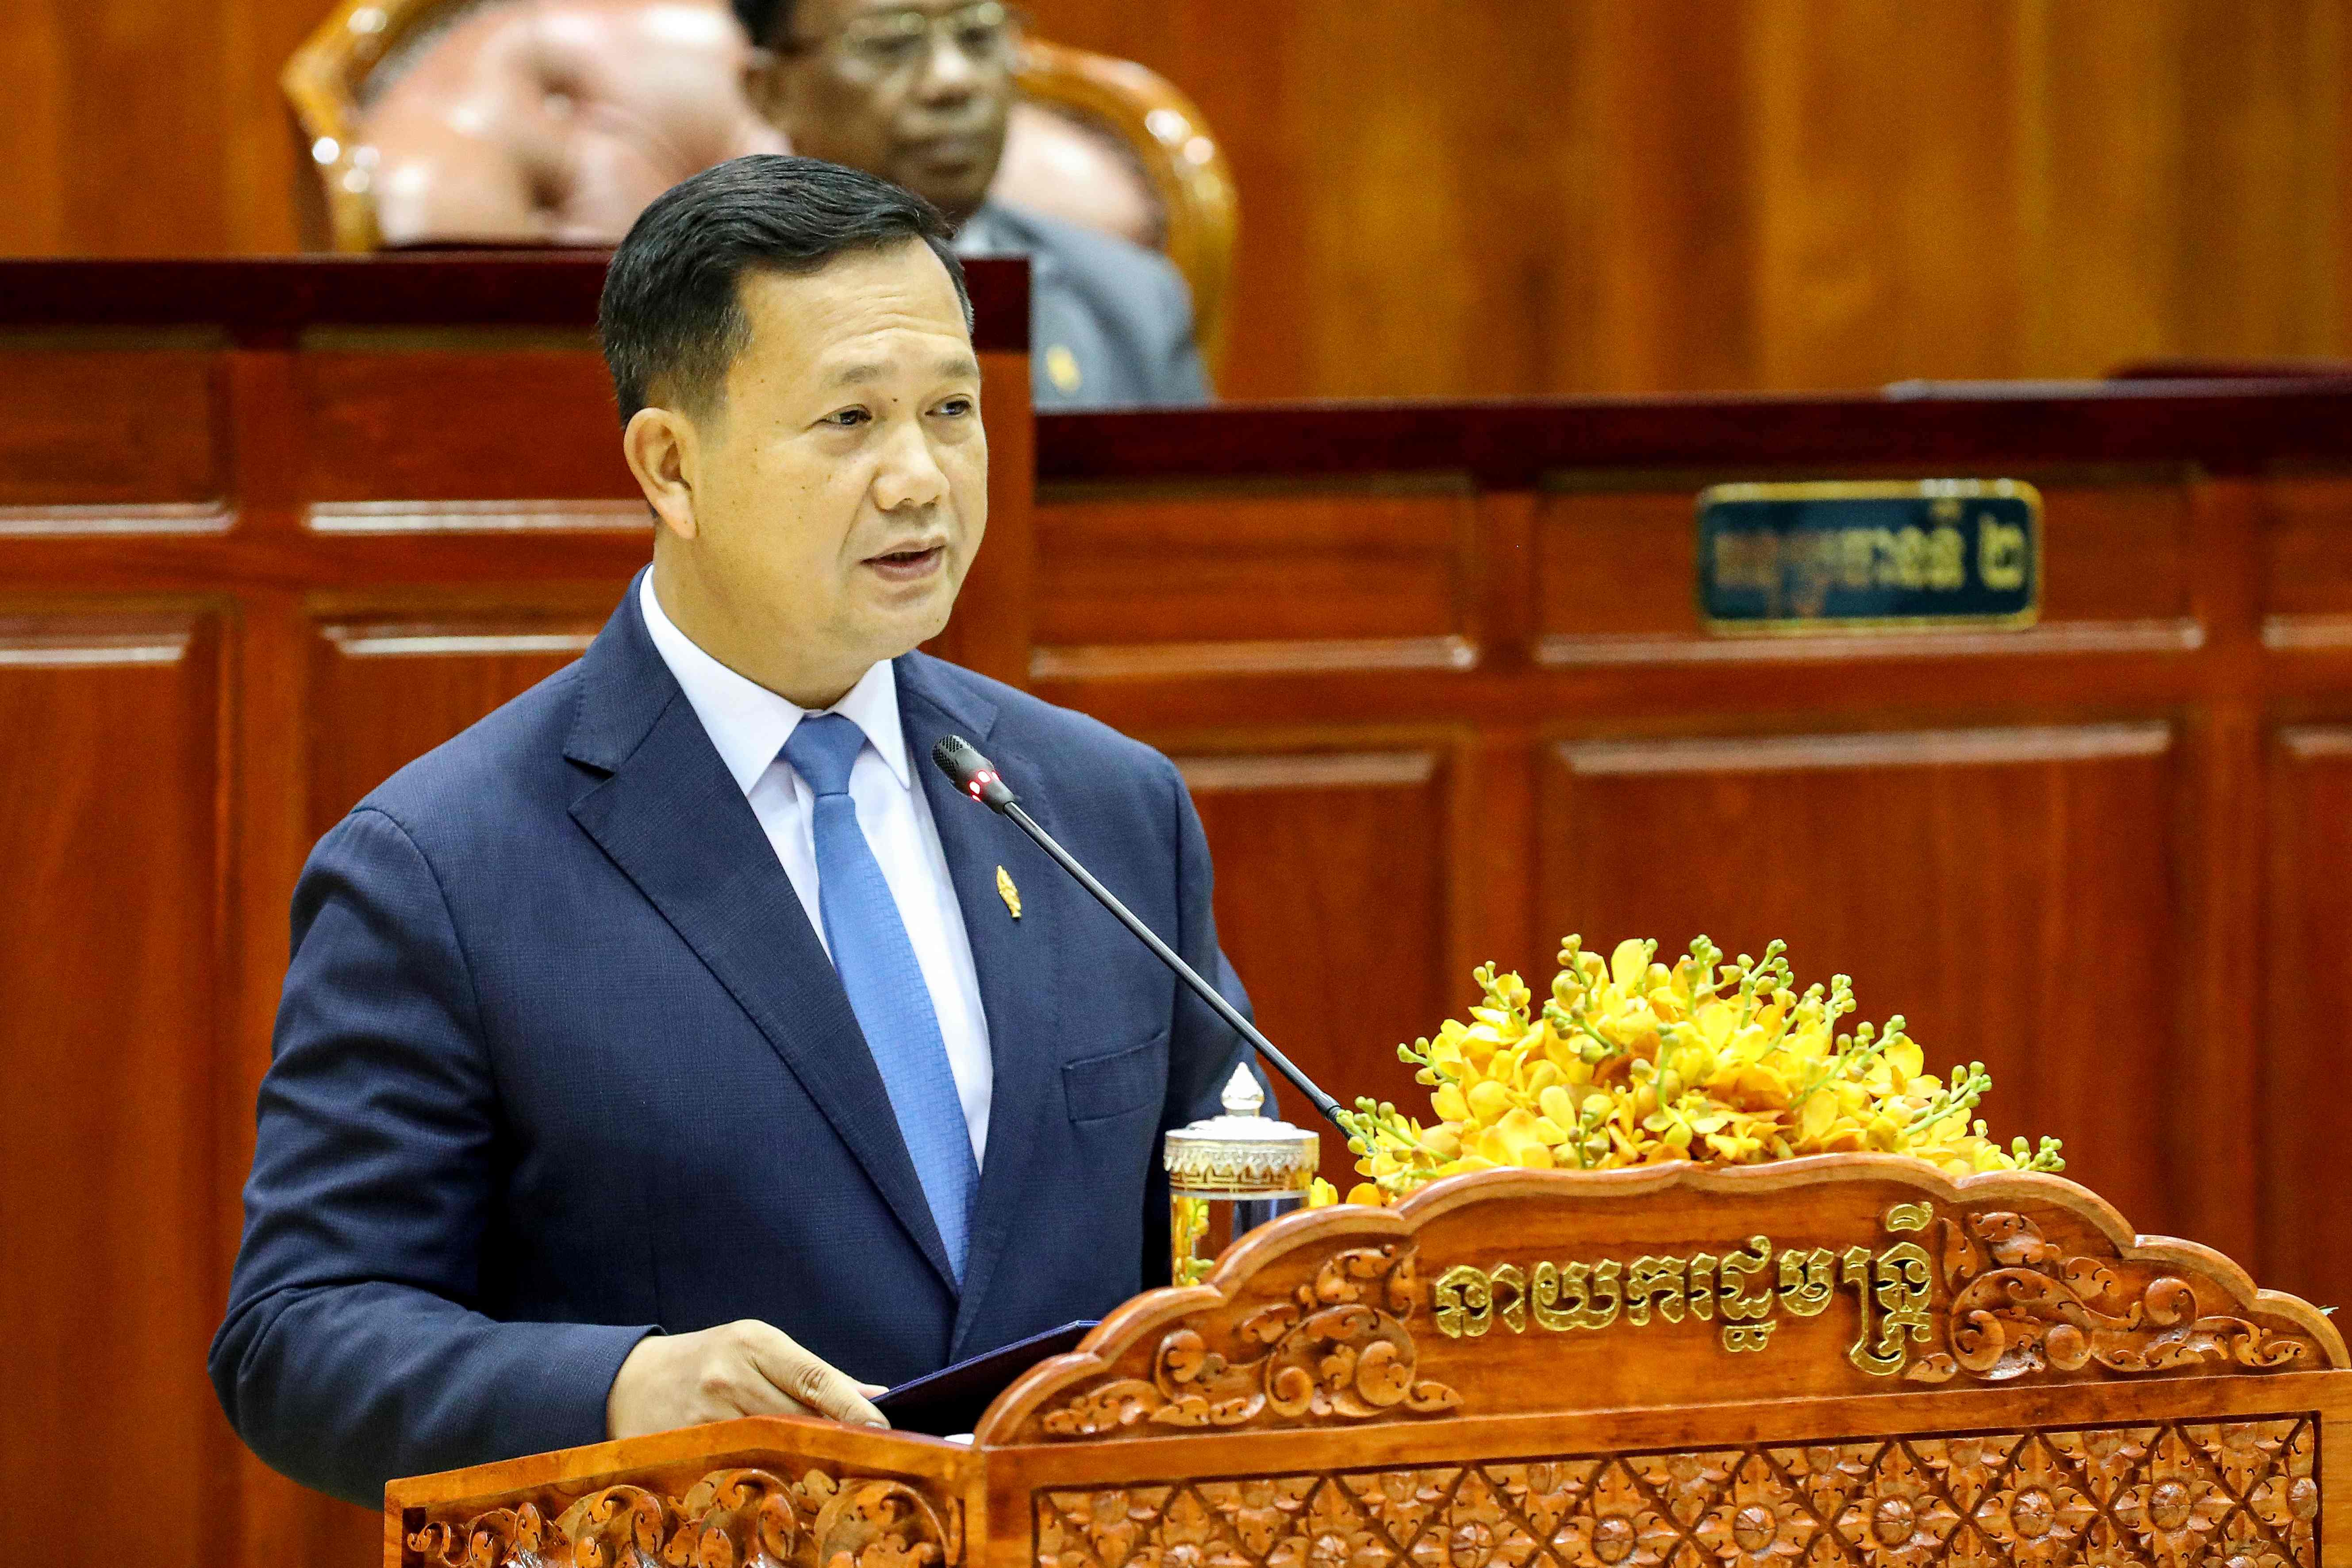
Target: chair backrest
{"type": "Point", "coordinates": [555, 121]}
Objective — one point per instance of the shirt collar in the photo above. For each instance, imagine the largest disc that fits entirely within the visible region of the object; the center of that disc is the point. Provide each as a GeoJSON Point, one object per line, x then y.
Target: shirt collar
{"type": "Point", "coordinates": [993, 231]}
{"type": "Point", "coordinates": [983, 235]}
{"type": "Point", "coordinates": [748, 723]}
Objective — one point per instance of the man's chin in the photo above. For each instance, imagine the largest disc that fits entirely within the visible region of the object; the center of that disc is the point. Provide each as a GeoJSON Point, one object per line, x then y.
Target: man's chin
{"type": "Point", "coordinates": [957, 195]}
{"type": "Point", "coordinates": [908, 628]}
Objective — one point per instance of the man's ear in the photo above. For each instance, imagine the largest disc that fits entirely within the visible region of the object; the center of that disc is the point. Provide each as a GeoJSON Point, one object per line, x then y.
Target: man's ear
{"type": "Point", "coordinates": [661, 448]}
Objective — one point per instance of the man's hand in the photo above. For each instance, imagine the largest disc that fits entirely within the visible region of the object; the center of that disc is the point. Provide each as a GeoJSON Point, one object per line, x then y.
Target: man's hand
{"type": "Point", "coordinates": [745, 1368]}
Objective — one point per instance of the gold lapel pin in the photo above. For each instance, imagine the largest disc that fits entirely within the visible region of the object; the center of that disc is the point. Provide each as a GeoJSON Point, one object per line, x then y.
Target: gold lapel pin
{"type": "Point", "coordinates": [1008, 893]}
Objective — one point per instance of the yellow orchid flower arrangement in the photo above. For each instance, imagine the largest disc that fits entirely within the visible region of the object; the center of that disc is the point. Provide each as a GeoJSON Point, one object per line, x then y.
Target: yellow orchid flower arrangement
{"type": "Point", "coordinates": [1631, 1063]}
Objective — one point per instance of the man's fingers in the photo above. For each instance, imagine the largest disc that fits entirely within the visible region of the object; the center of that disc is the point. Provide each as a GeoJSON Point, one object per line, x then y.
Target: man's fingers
{"type": "Point", "coordinates": [802, 1377]}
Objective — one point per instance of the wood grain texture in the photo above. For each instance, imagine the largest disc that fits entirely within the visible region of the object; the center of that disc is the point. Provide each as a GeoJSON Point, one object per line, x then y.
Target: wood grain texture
{"type": "Point", "coordinates": [1341, 890]}
{"type": "Point", "coordinates": [1433, 671]}
{"type": "Point", "coordinates": [2025, 867]}
{"type": "Point", "coordinates": [1453, 1283]}
{"type": "Point", "coordinates": [2309, 903]}
{"type": "Point", "coordinates": [1357, 1388]}
{"type": "Point", "coordinates": [385, 691]}
{"type": "Point", "coordinates": [2226, 426]}
{"type": "Point", "coordinates": [1618, 196]}
{"type": "Point", "coordinates": [111, 1001]}
{"type": "Point", "coordinates": [106, 427]}
{"type": "Point", "coordinates": [1371, 566]}
{"type": "Point", "coordinates": [1526, 196]}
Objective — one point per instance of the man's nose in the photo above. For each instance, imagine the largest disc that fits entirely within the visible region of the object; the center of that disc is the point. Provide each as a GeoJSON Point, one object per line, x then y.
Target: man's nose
{"type": "Point", "coordinates": [908, 474]}
{"type": "Point", "coordinates": [949, 75]}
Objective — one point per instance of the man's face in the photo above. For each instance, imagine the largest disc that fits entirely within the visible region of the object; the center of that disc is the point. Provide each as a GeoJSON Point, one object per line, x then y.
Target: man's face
{"type": "Point", "coordinates": [914, 91]}
{"type": "Point", "coordinates": [840, 490]}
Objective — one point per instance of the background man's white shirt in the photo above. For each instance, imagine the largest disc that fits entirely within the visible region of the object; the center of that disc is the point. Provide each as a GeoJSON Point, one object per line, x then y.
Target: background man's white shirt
{"type": "Point", "coordinates": [749, 724]}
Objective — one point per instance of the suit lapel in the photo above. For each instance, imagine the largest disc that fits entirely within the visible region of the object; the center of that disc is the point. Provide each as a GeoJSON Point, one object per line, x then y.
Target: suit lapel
{"type": "Point", "coordinates": [671, 818]}
{"type": "Point", "coordinates": [1017, 962]}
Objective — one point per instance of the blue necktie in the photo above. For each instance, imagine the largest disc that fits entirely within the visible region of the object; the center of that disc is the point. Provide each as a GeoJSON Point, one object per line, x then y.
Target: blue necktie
{"type": "Point", "coordinates": [878, 968]}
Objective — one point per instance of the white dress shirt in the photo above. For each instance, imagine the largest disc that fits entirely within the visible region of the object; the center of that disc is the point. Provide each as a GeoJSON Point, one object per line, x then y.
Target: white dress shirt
{"type": "Point", "coordinates": [749, 724]}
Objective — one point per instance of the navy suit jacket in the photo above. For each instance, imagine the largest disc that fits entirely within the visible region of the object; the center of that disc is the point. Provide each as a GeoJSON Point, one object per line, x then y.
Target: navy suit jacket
{"type": "Point", "coordinates": [561, 1062]}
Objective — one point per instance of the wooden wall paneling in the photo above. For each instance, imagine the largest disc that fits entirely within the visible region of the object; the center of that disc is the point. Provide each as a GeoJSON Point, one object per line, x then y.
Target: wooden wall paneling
{"type": "Point", "coordinates": [1434, 212]}
{"type": "Point", "coordinates": [1491, 916]}
{"type": "Point", "coordinates": [144, 129]}
{"type": "Point", "coordinates": [1882, 140]}
{"type": "Point", "coordinates": [403, 419]}
{"type": "Point", "coordinates": [391, 683]}
{"type": "Point", "coordinates": [110, 1025]}
{"type": "Point", "coordinates": [281, 746]}
{"type": "Point", "coordinates": [1333, 891]}
{"type": "Point", "coordinates": [2212, 1118]}
{"type": "Point", "coordinates": [2305, 1001]}
{"type": "Point", "coordinates": [1416, 322]}
{"type": "Point", "coordinates": [2104, 154]}
{"type": "Point", "coordinates": [2008, 890]}
{"type": "Point", "coordinates": [32, 213]}
{"type": "Point", "coordinates": [83, 424]}
{"type": "Point", "coordinates": [117, 180]}
{"type": "Point", "coordinates": [1251, 97]}
{"type": "Point", "coordinates": [993, 624]}
{"type": "Point", "coordinates": [1772, 193]}
{"type": "Point", "coordinates": [267, 167]}
{"type": "Point", "coordinates": [1527, 195]}
{"type": "Point", "coordinates": [2262, 141]}
{"type": "Point", "coordinates": [1614, 569]}
{"type": "Point", "coordinates": [266, 437]}
{"type": "Point", "coordinates": [1231, 579]}
{"type": "Point", "coordinates": [1656, 261]}
{"type": "Point", "coordinates": [2306, 594]}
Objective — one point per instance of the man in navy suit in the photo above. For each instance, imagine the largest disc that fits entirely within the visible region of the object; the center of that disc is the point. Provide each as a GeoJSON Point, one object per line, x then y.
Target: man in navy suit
{"type": "Point", "coordinates": [665, 1047]}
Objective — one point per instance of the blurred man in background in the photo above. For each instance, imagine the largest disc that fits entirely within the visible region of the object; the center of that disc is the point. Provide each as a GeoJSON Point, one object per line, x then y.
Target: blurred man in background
{"type": "Point", "coordinates": [916, 92]}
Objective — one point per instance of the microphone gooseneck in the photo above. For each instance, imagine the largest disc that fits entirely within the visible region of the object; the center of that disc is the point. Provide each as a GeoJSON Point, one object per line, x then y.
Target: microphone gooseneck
{"type": "Point", "coordinates": [976, 776]}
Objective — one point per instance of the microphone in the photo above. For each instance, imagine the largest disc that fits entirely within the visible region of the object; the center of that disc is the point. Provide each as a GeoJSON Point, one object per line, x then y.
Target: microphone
{"type": "Point", "coordinates": [976, 776]}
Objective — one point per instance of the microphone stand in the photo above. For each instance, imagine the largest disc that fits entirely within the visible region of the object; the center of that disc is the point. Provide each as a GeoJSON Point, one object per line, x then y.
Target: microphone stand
{"type": "Point", "coordinates": [975, 776]}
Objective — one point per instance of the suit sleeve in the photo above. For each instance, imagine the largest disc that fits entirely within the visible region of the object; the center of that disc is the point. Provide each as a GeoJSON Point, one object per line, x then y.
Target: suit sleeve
{"type": "Point", "coordinates": [352, 1352]}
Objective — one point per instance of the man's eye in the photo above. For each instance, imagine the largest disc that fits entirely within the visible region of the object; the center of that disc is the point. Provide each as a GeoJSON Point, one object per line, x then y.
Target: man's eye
{"type": "Point", "coordinates": [956, 407]}
{"type": "Point", "coordinates": [848, 418]}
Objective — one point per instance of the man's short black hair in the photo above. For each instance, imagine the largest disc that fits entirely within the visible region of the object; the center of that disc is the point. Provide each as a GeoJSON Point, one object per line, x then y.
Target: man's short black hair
{"type": "Point", "coordinates": [672, 316]}
{"type": "Point", "coordinates": [765, 20]}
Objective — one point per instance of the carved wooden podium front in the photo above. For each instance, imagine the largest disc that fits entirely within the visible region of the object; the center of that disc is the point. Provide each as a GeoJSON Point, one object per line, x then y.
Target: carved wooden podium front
{"type": "Point", "coordinates": [1843, 1362]}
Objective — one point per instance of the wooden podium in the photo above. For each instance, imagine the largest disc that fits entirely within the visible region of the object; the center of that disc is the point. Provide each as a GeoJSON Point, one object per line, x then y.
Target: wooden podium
{"type": "Point", "coordinates": [1850, 1362]}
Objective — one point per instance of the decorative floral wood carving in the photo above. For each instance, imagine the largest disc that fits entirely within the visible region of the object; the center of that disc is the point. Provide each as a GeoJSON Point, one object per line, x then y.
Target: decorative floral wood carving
{"type": "Point", "coordinates": [2018, 1305]}
{"type": "Point", "coordinates": [2240, 1494]}
{"type": "Point", "coordinates": [1337, 1350]}
{"type": "Point", "coordinates": [728, 1519]}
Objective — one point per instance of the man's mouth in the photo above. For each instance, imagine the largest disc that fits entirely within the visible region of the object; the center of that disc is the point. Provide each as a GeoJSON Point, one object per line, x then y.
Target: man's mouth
{"type": "Point", "coordinates": [908, 566]}
{"type": "Point", "coordinates": [948, 152]}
